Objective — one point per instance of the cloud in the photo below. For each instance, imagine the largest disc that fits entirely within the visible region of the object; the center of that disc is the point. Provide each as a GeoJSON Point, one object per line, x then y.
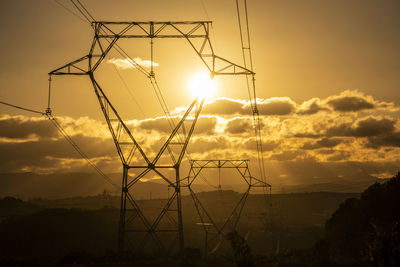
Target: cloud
{"type": "Point", "coordinates": [206, 145]}
{"type": "Point", "coordinates": [270, 106]}
{"type": "Point", "coordinates": [204, 124]}
{"type": "Point", "coordinates": [226, 106]}
{"type": "Point", "coordinates": [372, 126]}
{"type": "Point", "coordinates": [346, 101]}
{"type": "Point", "coordinates": [127, 63]}
{"type": "Point", "coordinates": [386, 140]}
{"type": "Point", "coordinates": [286, 156]}
{"type": "Point", "coordinates": [311, 106]}
{"type": "Point", "coordinates": [20, 127]}
{"type": "Point", "coordinates": [364, 127]}
{"type": "Point", "coordinates": [352, 101]}
{"type": "Point", "coordinates": [307, 135]}
{"type": "Point", "coordinates": [317, 130]}
{"type": "Point", "coordinates": [322, 143]}
{"type": "Point", "coordinates": [52, 154]}
{"type": "Point", "coordinates": [250, 144]}
{"type": "Point", "coordinates": [339, 156]}
{"type": "Point", "coordinates": [239, 126]}
{"type": "Point", "coordinates": [276, 106]}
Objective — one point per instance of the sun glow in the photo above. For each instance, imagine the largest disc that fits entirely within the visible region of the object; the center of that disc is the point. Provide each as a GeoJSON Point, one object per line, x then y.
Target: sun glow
{"type": "Point", "coordinates": [202, 86]}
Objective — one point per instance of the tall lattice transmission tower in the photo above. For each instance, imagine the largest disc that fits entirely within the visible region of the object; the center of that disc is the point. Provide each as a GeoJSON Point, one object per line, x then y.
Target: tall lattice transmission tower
{"type": "Point", "coordinates": [134, 225]}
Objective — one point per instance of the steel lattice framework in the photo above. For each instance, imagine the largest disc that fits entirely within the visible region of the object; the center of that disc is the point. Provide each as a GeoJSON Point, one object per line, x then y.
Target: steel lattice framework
{"type": "Point", "coordinates": [207, 222]}
{"type": "Point", "coordinates": [106, 35]}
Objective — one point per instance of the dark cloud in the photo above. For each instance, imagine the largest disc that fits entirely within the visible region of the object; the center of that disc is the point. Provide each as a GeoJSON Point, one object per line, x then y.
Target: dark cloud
{"type": "Point", "coordinates": [159, 124]}
{"type": "Point", "coordinates": [350, 103]}
{"type": "Point", "coordinates": [366, 127]}
{"type": "Point", "coordinates": [387, 140]}
{"type": "Point", "coordinates": [205, 125]}
{"type": "Point", "coordinates": [343, 129]}
{"type": "Point", "coordinates": [203, 145]}
{"type": "Point", "coordinates": [19, 127]}
{"type": "Point", "coordinates": [51, 153]}
{"type": "Point", "coordinates": [286, 156]}
{"type": "Point", "coordinates": [373, 127]}
{"type": "Point", "coordinates": [311, 106]}
{"type": "Point", "coordinates": [239, 126]}
{"type": "Point", "coordinates": [266, 145]}
{"type": "Point", "coordinates": [276, 106]}
{"type": "Point", "coordinates": [271, 106]}
{"type": "Point", "coordinates": [323, 143]}
{"type": "Point", "coordinates": [307, 135]}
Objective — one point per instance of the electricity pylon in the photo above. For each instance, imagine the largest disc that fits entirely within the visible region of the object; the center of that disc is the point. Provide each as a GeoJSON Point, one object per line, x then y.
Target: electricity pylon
{"type": "Point", "coordinates": [206, 220]}
{"type": "Point", "coordinates": [106, 35]}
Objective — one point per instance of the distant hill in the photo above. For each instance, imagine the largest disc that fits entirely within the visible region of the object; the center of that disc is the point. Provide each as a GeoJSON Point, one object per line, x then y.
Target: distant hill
{"type": "Point", "coordinates": [30, 185]}
{"type": "Point", "coordinates": [10, 206]}
{"type": "Point", "coordinates": [345, 184]}
{"type": "Point", "coordinates": [65, 185]}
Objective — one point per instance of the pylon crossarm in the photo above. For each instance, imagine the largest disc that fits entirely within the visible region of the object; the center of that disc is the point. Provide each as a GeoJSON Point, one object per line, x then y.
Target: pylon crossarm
{"type": "Point", "coordinates": [229, 68]}
{"type": "Point", "coordinates": [111, 44]}
{"type": "Point", "coordinates": [260, 182]}
{"type": "Point", "coordinates": [72, 68]}
{"type": "Point", "coordinates": [235, 69]}
{"type": "Point", "coordinates": [153, 29]}
{"type": "Point", "coordinates": [94, 66]}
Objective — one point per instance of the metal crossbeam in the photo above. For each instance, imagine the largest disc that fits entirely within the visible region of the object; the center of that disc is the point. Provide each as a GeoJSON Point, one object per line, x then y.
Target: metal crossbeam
{"type": "Point", "coordinates": [107, 33]}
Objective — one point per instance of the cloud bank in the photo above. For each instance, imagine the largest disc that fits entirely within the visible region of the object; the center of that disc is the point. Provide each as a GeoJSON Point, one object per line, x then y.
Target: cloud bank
{"type": "Point", "coordinates": [349, 127]}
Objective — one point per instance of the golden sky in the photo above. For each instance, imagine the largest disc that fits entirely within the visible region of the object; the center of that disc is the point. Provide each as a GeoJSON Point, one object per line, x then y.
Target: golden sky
{"type": "Point", "coordinates": [327, 78]}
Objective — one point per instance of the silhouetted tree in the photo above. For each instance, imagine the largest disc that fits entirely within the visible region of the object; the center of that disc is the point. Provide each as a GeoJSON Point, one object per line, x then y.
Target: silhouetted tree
{"type": "Point", "coordinates": [241, 251]}
{"type": "Point", "coordinates": [366, 231]}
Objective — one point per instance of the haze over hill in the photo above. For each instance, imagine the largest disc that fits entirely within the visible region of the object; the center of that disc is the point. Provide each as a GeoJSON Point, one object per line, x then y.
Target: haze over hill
{"type": "Point", "coordinates": [63, 185]}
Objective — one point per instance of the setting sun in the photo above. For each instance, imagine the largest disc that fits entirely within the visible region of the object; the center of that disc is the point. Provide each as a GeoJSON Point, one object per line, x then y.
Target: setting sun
{"type": "Point", "coordinates": [202, 86]}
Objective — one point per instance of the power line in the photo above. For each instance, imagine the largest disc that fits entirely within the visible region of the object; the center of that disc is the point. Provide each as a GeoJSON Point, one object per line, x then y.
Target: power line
{"type": "Point", "coordinates": [22, 108]}
{"type": "Point", "coordinates": [67, 137]}
{"type": "Point", "coordinates": [80, 11]}
{"type": "Point", "coordinates": [252, 98]}
{"type": "Point", "coordinates": [129, 90]}
{"type": "Point", "coordinates": [209, 19]}
{"type": "Point", "coordinates": [69, 10]}
{"type": "Point", "coordinates": [78, 149]}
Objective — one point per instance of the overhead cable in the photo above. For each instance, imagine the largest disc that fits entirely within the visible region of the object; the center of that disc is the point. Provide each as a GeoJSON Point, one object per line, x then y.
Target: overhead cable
{"type": "Point", "coordinates": [22, 108]}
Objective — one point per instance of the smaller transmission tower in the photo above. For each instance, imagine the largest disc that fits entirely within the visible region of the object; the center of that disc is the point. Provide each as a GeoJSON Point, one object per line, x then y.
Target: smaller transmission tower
{"type": "Point", "coordinates": [218, 232]}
